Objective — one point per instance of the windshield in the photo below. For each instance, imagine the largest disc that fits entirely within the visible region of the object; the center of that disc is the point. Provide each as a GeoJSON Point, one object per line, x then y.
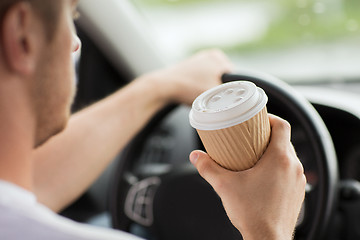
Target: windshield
{"type": "Point", "coordinates": [296, 40]}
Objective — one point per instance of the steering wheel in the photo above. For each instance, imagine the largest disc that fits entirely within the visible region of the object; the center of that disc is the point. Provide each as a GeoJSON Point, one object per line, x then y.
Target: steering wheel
{"type": "Point", "coordinates": [164, 198]}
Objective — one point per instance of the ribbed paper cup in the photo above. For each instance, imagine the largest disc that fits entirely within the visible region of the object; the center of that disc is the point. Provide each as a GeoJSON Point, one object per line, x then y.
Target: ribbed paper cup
{"type": "Point", "coordinates": [232, 122]}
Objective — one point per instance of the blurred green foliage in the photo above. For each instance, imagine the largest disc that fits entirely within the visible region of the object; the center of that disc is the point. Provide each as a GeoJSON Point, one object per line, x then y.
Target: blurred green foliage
{"type": "Point", "coordinates": [305, 21]}
{"type": "Point", "coordinates": [311, 21]}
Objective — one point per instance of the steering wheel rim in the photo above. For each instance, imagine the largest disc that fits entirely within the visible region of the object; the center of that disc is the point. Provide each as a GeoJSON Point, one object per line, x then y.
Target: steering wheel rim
{"type": "Point", "coordinates": [302, 110]}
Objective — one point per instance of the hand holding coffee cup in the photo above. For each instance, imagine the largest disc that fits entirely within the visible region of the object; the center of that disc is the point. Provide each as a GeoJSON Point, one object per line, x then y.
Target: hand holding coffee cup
{"type": "Point", "coordinates": [232, 123]}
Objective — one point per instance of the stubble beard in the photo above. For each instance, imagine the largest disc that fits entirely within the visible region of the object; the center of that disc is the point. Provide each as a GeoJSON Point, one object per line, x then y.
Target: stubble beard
{"type": "Point", "coordinates": [53, 108]}
{"type": "Point", "coordinates": [48, 128]}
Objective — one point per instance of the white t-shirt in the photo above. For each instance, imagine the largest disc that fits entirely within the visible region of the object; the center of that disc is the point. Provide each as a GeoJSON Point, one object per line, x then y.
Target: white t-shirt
{"type": "Point", "coordinates": [22, 217]}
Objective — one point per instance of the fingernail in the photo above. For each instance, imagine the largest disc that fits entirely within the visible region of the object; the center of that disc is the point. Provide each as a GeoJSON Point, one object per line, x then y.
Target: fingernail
{"type": "Point", "coordinates": [194, 157]}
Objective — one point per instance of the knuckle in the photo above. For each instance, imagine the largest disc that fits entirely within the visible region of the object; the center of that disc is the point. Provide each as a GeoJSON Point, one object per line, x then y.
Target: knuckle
{"type": "Point", "coordinates": [216, 53]}
{"type": "Point", "coordinates": [303, 181]}
{"type": "Point", "coordinates": [284, 161]}
{"type": "Point", "coordinates": [301, 175]}
{"type": "Point", "coordinates": [288, 161]}
{"type": "Point", "coordinates": [299, 169]}
{"type": "Point", "coordinates": [285, 158]}
{"type": "Point", "coordinates": [284, 124]}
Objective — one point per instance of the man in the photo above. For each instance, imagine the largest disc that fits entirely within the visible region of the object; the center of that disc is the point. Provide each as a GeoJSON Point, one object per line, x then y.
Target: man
{"type": "Point", "coordinates": [47, 154]}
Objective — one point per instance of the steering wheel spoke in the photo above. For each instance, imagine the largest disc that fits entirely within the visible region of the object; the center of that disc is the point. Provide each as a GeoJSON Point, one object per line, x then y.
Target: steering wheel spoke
{"type": "Point", "coordinates": [139, 201]}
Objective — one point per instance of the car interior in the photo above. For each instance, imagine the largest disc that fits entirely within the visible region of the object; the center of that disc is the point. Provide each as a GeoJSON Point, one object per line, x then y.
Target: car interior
{"type": "Point", "coordinates": [152, 190]}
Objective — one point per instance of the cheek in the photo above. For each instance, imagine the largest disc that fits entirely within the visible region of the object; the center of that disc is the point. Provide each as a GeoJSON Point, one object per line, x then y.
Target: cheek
{"type": "Point", "coordinates": [64, 61]}
{"type": "Point", "coordinates": [69, 59]}
{"type": "Point", "coordinates": [64, 76]}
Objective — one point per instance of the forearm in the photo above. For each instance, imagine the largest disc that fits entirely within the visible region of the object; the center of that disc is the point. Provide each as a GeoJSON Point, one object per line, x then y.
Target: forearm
{"type": "Point", "coordinates": [71, 161]}
{"type": "Point", "coordinates": [68, 164]}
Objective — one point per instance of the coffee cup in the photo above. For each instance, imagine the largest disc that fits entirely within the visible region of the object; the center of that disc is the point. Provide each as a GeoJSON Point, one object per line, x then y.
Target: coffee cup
{"type": "Point", "coordinates": [232, 123]}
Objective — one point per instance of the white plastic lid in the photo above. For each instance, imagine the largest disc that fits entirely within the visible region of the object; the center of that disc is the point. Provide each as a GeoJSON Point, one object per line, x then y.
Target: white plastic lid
{"type": "Point", "coordinates": [227, 105]}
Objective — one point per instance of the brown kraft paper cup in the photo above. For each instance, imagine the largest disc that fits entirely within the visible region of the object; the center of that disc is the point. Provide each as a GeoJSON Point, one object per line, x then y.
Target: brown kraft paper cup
{"type": "Point", "coordinates": [233, 124]}
{"type": "Point", "coordinates": [239, 147]}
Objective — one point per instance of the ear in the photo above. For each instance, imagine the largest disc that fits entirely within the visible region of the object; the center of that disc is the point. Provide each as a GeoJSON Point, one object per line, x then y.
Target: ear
{"type": "Point", "coordinates": [18, 40]}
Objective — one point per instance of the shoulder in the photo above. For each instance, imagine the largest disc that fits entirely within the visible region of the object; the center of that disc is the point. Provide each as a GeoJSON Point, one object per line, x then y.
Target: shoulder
{"type": "Point", "coordinates": [40, 223]}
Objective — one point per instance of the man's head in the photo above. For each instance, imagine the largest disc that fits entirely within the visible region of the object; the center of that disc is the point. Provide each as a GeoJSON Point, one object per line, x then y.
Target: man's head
{"type": "Point", "coordinates": [37, 39]}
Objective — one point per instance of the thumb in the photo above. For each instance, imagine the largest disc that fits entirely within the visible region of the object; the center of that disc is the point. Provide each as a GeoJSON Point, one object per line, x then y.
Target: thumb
{"type": "Point", "coordinates": [206, 166]}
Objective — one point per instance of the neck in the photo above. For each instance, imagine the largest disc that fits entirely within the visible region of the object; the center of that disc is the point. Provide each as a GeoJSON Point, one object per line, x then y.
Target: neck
{"type": "Point", "coordinates": [17, 130]}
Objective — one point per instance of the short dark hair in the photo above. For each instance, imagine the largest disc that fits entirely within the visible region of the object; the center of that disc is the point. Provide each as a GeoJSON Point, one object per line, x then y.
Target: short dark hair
{"type": "Point", "coordinates": [48, 11]}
